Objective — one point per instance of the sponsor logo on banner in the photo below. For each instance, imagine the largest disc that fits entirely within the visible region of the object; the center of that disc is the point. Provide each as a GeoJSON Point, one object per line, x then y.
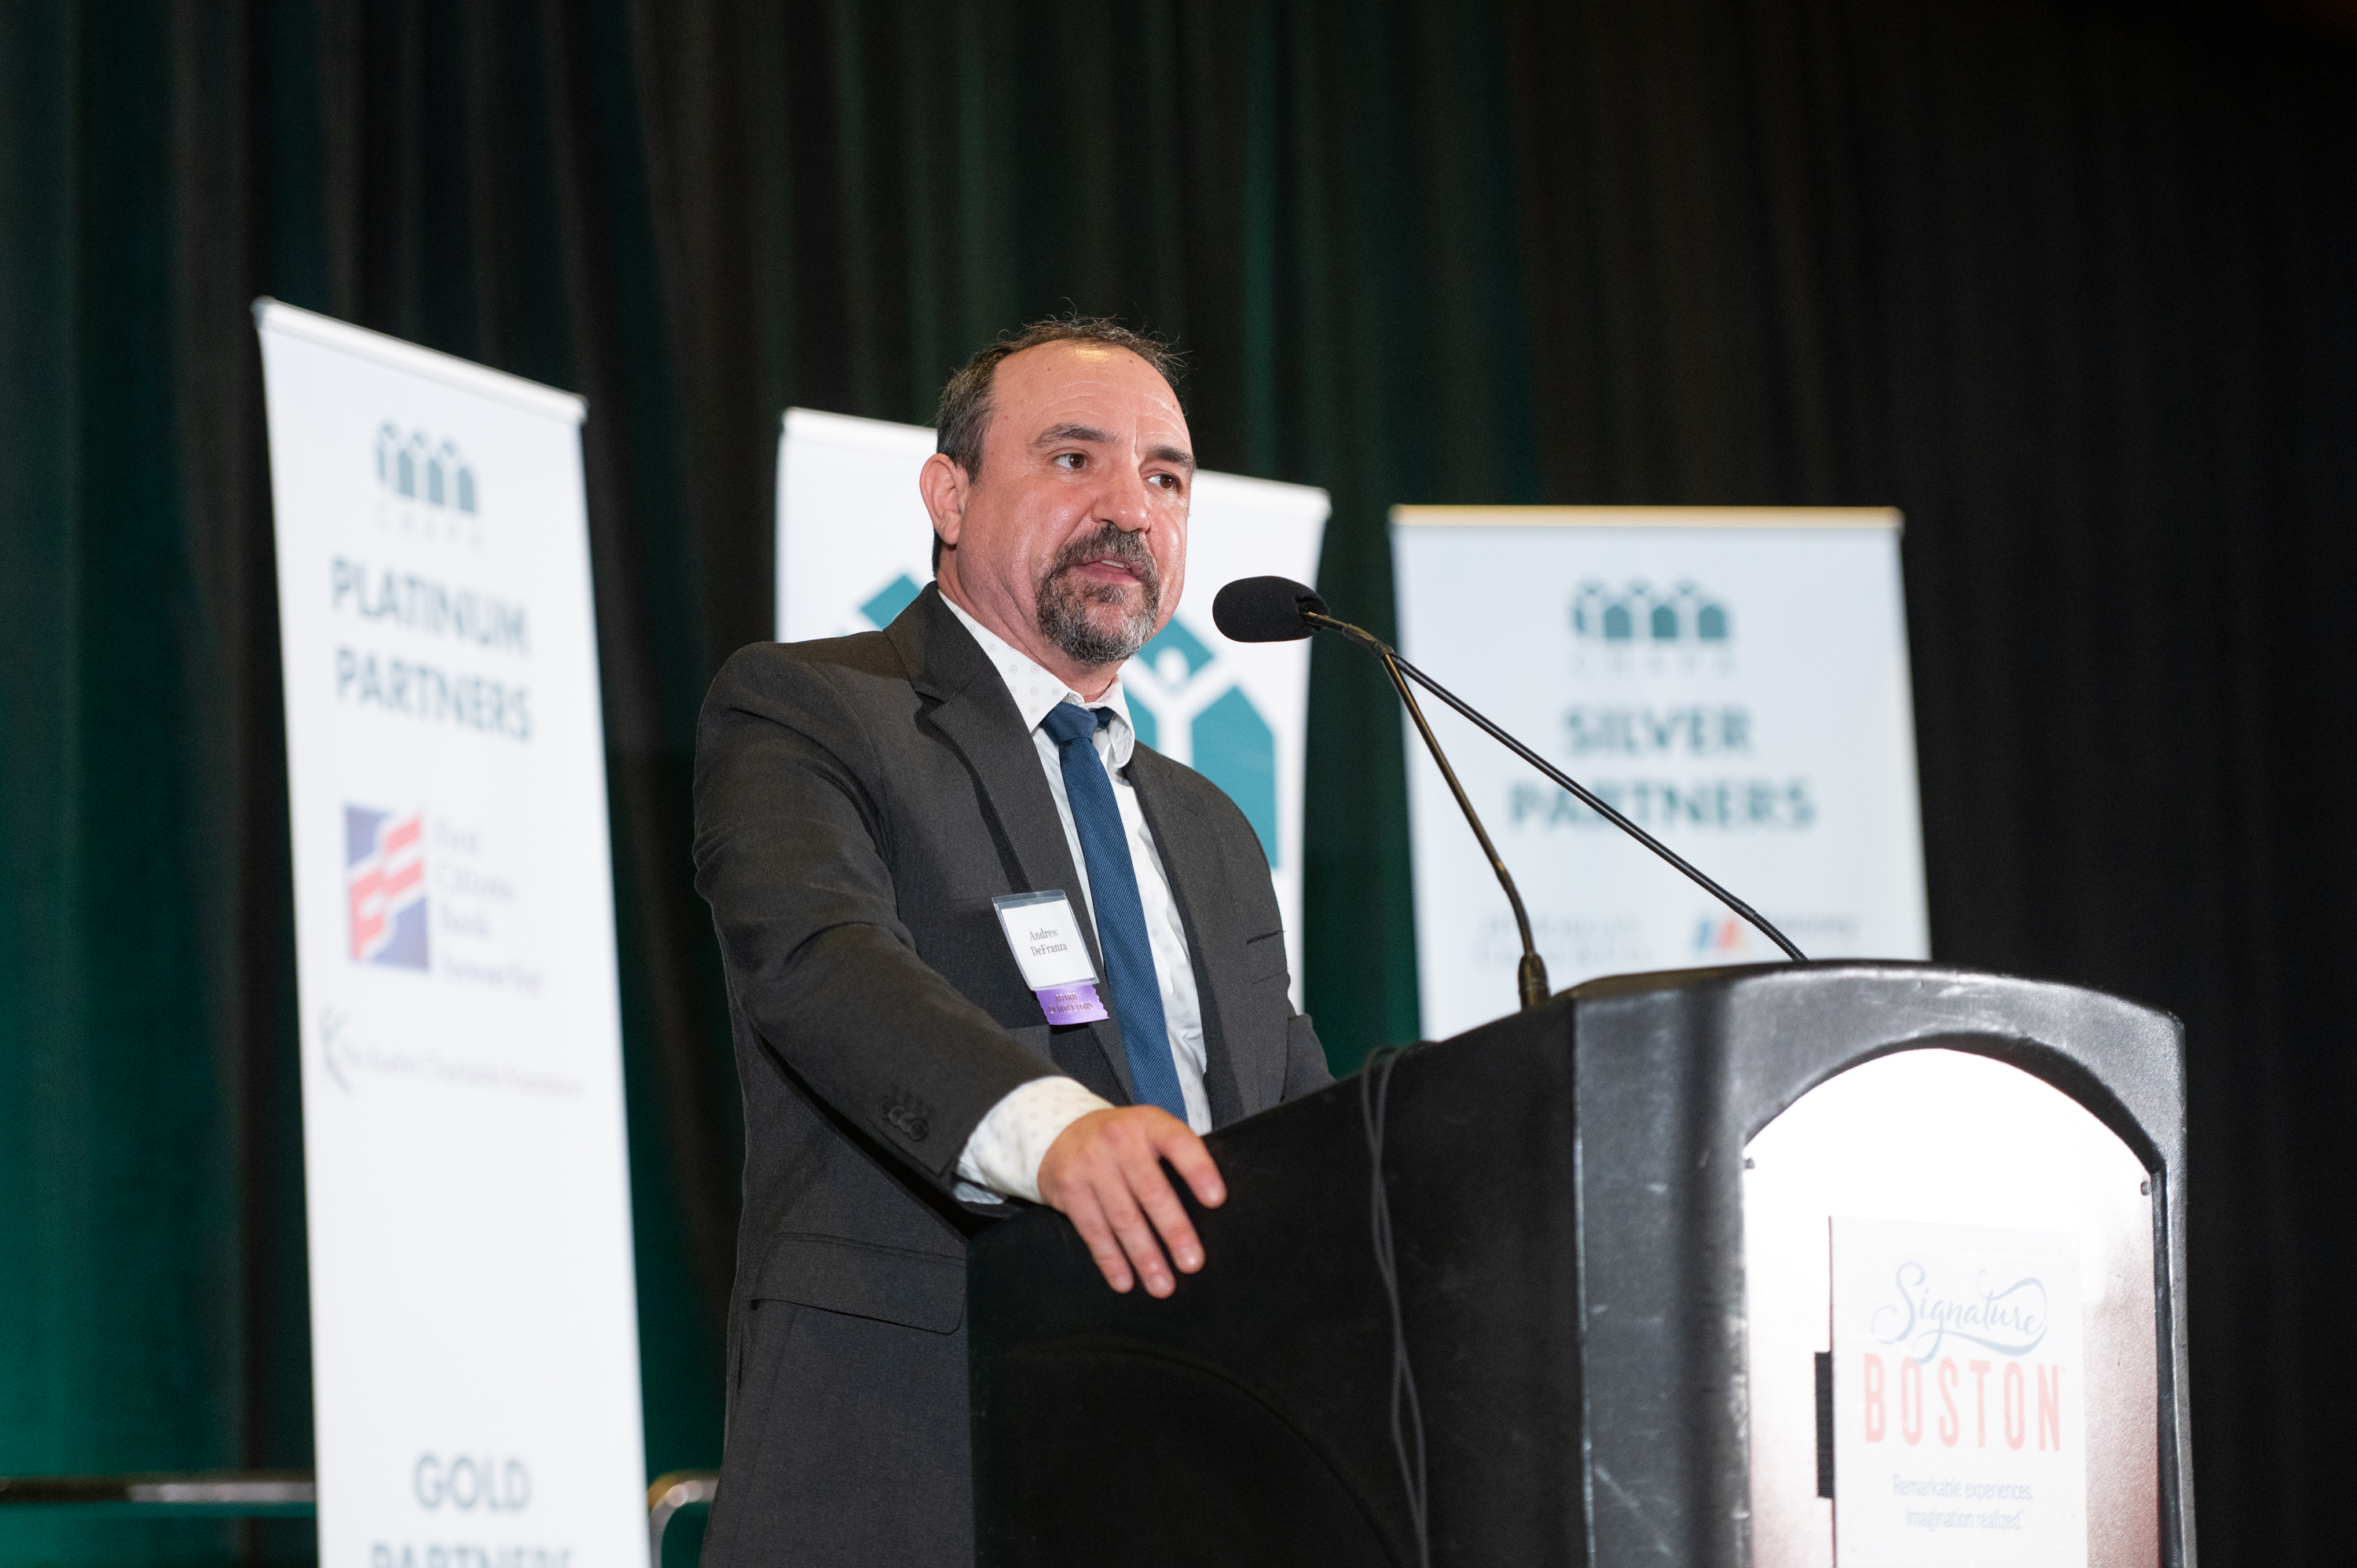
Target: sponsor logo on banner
{"type": "Point", "coordinates": [425, 486]}
{"type": "Point", "coordinates": [1681, 615]}
{"type": "Point", "coordinates": [1678, 630]}
{"type": "Point", "coordinates": [427, 490]}
{"type": "Point", "coordinates": [1718, 935]}
{"type": "Point", "coordinates": [1190, 710]}
{"type": "Point", "coordinates": [885, 603]}
{"type": "Point", "coordinates": [1183, 703]}
{"type": "Point", "coordinates": [384, 886]}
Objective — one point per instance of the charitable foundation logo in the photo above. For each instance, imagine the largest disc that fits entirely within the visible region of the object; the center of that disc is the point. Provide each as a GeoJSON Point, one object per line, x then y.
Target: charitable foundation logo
{"type": "Point", "coordinates": [1185, 704]}
{"type": "Point", "coordinates": [426, 486]}
{"type": "Point", "coordinates": [384, 886]}
{"type": "Point", "coordinates": [1638, 615]}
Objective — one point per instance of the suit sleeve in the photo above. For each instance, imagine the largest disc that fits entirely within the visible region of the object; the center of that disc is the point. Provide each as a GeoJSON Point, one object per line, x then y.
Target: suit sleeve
{"type": "Point", "coordinates": [1304, 1059]}
{"type": "Point", "coordinates": [791, 853]}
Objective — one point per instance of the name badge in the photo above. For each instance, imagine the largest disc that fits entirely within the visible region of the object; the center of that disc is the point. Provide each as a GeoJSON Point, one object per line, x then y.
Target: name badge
{"type": "Point", "coordinates": [1052, 954]}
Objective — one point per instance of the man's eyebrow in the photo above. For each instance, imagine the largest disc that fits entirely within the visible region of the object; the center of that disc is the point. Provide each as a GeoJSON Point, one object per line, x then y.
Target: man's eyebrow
{"type": "Point", "coordinates": [1178, 456]}
{"type": "Point", "coordinates": [1059, 433]}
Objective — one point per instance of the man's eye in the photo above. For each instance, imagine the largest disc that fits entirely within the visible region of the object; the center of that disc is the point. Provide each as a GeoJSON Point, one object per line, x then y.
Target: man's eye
{"type": "Point", "coordinates": [1167, 481]}
{"type": "Point", "coordinates": [1070, 462]}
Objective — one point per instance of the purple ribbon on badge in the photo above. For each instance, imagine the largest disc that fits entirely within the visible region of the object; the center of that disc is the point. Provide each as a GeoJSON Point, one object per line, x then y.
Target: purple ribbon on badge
{"type": "Point", "coordinates": [1074, 1004]}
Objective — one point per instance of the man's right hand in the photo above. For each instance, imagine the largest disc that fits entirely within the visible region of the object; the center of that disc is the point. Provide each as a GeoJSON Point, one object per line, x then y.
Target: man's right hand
{"type": "Point", "coordinates": [1104, 1173]}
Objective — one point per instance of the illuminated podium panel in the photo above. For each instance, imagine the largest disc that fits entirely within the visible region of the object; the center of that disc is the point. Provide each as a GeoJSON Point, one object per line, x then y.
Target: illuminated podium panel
{"type": "Point", "coordinates": [1858, 1263]}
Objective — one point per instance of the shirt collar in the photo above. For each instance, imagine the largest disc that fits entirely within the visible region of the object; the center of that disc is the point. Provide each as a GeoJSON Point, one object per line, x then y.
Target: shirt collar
{"type": "Point", "coordinates": [1035, 691]}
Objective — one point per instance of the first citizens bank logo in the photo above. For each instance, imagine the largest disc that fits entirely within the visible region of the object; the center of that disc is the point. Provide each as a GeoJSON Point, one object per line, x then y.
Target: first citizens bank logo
{"type": "Point", "coordinates": [384, 886]}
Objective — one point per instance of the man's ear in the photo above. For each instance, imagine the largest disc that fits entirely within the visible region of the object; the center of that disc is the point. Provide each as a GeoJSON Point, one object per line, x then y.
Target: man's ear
{"type": "Point", "coordinates": [944, 484]}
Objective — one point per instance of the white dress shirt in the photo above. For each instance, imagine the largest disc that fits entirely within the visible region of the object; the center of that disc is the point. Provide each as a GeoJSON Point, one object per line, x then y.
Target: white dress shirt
{"type": "Point", "coordinates": [1004, 1151]}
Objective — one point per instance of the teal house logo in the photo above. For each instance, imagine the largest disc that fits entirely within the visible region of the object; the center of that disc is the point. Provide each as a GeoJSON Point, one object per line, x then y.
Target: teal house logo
{"type": "Point", "coordinates": [1189, 708]}
{"type": "Point", "coordinates": [1681, 617]}
{"type": "Point", "coordinates": [1186, 704]}
{"type": "Point", "coordinates": [889, 601]}
{"type": "Point", "coordinates": [426, 486]}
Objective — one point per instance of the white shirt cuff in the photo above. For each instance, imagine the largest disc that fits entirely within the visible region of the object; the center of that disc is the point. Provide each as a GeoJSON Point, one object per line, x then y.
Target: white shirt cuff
{"type": "Point", "coordinates": [1004, 1151]}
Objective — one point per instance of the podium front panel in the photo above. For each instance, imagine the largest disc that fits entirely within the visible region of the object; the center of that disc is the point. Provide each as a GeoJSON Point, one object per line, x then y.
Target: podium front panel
{"type": "Point", "coordinates": [1677, 1075]}
{"type": "Point", "coordinates": [1979, 1164]}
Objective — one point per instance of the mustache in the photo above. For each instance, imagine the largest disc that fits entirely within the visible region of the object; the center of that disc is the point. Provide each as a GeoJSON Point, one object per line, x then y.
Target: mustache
{"type": "Point", "coordinates": [1112, 543]}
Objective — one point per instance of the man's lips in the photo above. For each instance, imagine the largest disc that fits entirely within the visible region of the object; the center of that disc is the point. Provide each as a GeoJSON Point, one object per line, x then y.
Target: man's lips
{"type": "Point", "coordinates": [1107, 571]}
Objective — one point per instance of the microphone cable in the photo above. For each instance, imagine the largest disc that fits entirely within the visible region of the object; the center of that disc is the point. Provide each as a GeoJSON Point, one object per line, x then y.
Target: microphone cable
{"type": "Point", "coordinates": [1407, 1411]}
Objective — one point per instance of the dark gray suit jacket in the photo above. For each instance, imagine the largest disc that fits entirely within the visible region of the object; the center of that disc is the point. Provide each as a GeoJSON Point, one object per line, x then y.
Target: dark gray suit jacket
{"type": "Point", "coordinates": [858, 803]}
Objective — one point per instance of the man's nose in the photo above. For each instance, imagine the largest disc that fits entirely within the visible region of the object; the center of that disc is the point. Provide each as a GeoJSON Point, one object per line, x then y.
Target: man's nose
{"type": "Point", "coordinates": [1125, 504]}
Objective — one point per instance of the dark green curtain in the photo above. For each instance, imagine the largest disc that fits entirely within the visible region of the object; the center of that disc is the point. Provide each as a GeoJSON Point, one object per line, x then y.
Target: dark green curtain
{"type": "Point", "coordinates": [2071, 284]}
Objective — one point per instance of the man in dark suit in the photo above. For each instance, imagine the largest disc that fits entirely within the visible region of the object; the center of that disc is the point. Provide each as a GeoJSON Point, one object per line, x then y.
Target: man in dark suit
{"type": "Point", "coordinates": [860, 802]}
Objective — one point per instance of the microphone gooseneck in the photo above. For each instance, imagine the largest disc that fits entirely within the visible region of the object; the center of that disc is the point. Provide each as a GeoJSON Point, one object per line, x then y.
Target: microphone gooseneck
{"type": "Point", "coordinates": [1277, 609]}
{"type": "Point", "coordinates": [1530, 974]}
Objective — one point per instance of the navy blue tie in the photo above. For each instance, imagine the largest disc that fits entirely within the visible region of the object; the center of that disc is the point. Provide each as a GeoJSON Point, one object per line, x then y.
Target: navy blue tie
{"type": "Point", "coordinates": [1121, 914]}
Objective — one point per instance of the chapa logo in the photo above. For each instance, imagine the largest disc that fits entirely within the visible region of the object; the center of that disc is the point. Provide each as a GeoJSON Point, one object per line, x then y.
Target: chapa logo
{"type": "Point", "coordinates": [1683, 617]}
{"type": "Point", "coordinates": [384, 886]}
{"type": "Point", "coordinates": [1185, 704]}
{"type": "Point", "coordinates": [426, 486]}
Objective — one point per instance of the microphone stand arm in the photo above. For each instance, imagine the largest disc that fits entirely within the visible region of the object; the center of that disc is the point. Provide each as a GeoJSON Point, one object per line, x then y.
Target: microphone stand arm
{"type": "Point", "coordinates": [1530, 974]}
{"type": "Point", "coordinates": [1402, 671]}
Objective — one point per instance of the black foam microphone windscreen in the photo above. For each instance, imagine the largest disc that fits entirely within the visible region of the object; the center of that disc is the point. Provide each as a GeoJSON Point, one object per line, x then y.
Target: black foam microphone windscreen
{"type": "Point", "coordinates": [1265, 609]}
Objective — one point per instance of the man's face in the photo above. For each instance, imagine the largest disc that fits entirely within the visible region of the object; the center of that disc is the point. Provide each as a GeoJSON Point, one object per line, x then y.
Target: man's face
{"type": "Point", "coordinates": [1074, 538]}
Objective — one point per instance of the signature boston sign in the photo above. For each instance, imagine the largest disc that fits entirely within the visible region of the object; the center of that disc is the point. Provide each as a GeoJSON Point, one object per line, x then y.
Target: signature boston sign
{"type": "Point", "coordinates": [1958, 1402]}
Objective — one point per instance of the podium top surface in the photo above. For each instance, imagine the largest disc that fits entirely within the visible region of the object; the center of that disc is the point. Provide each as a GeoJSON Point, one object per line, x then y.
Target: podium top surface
{"type": "Point", "coordinates": [1783, 1028]}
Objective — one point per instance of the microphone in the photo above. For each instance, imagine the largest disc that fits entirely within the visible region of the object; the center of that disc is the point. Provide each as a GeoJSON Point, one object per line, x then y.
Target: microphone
{"type": "Point", "coordinates": [1276, 609]}
{"type": "Point", "coordinates": [1273, 609]}
{"type": "Point", "coordinates": [1266, 609]}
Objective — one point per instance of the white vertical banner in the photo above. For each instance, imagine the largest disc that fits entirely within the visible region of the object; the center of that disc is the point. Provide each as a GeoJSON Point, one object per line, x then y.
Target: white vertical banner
{"type": "Point", "coordinates": [474, 1319]}
{"type": "Point", "coordinates": [1733, 679]}
{"type": "Point", "coordinates": [855, 546]}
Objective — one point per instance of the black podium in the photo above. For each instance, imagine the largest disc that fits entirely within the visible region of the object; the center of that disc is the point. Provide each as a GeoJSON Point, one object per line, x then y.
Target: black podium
{"type": "Point", "coordinates": [1568, 1190]}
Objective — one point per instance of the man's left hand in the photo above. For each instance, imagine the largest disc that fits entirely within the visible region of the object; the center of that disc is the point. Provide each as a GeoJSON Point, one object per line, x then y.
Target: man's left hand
{"type": "Point", "coordinates": [1104, 1173]}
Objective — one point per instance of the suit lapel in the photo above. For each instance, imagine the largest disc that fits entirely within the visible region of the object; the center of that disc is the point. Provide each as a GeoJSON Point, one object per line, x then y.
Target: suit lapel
{"type": "Point", "coordinates": [1190, 859]}
{"type": "Point", "coordinates": [979, 718]}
